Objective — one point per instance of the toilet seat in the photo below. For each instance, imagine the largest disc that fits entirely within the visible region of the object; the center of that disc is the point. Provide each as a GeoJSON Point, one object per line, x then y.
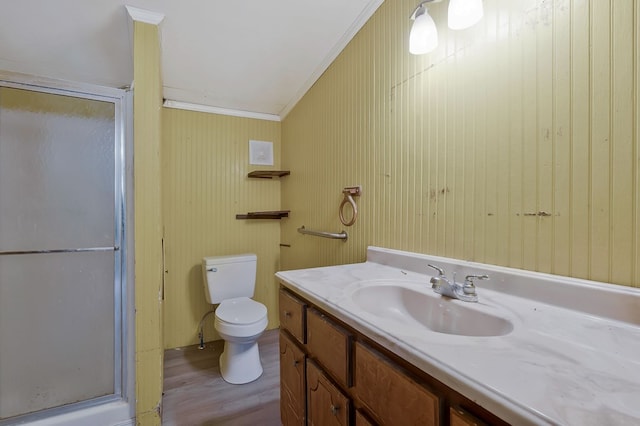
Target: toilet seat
{"type": "Point", "coordinates": [240, 317]}
{"type": "Point", "coordinates": [241, 310]}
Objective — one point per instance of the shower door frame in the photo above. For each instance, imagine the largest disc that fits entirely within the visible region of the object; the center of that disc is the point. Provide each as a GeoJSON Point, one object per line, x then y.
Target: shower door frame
{"type": "Point", "coordinates": [118, 407]}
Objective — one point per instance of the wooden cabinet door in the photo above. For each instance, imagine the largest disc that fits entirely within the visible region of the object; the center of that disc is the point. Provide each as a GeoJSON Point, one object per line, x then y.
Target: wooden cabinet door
{"type": "Point", "coordinates": [292, 315]}
{"type": "Point", "coordinates": [292, 383]}
{"type": "Point", "coordinates": [390, 395]}
{"type": "Point", "coordinates": [326, 404]}
{"type": "Point", "coordinates": [362, 420]}
{"type": "Point", "coordinates": [330, 344]}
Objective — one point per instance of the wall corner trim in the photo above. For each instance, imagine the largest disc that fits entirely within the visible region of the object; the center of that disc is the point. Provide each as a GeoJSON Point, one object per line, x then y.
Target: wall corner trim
{"type": "Point", "coordinates": [146, 16]}
{"type": "Point", "coordinates": [218, 110]}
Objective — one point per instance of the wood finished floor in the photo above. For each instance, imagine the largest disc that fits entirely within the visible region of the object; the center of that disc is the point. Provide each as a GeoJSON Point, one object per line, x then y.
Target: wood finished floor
{"type": "Point", "coordinates": [196, 395]}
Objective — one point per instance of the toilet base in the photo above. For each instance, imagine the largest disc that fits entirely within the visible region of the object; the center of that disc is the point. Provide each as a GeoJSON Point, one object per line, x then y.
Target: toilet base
{"type": "Point", "coordinates": [240, 362]}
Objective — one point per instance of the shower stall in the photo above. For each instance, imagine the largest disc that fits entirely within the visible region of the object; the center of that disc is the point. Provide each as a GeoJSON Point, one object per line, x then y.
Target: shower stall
{"type": "Point", "coordinates": [66, 335]}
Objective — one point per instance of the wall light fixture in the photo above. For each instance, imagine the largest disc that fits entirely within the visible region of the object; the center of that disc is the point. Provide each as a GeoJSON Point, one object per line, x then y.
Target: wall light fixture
{"type": "Point", "coordinates": [423, 37]}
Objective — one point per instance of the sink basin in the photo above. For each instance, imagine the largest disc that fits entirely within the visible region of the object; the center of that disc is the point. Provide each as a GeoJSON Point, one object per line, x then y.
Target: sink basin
{"type": "Point", "coordinates": [440, 314]}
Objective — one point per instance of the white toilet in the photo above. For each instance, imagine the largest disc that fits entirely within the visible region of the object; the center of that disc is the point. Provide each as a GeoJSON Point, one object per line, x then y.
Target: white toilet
{"type": "Point", "coordinates": [231, 281]}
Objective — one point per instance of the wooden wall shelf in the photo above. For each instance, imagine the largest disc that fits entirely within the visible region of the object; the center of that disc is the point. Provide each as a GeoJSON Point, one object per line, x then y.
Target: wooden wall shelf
{"type": "Point", "coordinates": [278, 214]}
{"type": "Point", "coordinates": [268, 174]}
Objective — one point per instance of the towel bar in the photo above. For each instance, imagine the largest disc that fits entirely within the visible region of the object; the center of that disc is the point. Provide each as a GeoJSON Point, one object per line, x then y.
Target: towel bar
{"type": "Point", "coordinates": [341, 236]}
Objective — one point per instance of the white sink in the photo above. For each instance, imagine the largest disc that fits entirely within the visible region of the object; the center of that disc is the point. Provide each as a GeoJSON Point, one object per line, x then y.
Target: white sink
{"type": "Point", "coordinates": [397, 301]}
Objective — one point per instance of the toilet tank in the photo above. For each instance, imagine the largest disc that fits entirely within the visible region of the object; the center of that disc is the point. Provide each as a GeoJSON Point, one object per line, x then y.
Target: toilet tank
{"type": "Point", "coordinates": [226, 277]}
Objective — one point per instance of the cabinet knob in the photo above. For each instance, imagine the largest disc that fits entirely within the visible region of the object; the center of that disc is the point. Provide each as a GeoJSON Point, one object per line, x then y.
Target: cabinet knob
{"type": "Point", "coordinates": [295, 362]}
{"type": "Point", "coordinates": [287, 314]}
{"type": "Point", "coordinates": [334, 409]}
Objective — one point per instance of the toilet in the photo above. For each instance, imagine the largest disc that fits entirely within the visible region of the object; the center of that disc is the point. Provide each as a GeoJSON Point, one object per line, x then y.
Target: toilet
{"type": "Point", "coordinates": [239, 320]}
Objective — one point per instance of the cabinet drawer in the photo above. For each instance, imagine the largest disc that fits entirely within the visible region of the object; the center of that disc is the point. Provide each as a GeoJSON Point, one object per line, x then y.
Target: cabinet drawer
{"type": "Point", "coordinates": [292, 315]}
{"type": "Point", "coordinates": [330, 344]}
{"type": "Point", "coordinates": [326, 404]}
{"type": "Point", "coordinates": [391, 396]}
{"type": "Point", "coordinates": [292, 382]}
{"type": "Point", "coordinates": [458, 417]}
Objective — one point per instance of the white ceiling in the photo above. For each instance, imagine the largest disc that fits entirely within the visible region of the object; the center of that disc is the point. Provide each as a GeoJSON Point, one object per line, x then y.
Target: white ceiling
{"type": "Point", "coordinates": [238, 55]}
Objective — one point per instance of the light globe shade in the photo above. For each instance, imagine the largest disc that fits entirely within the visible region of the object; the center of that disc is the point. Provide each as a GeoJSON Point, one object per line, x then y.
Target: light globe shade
{"type": "Point", "coordinates": [464, 13]}
{"type": "Point", "coordinates": [423, 37]}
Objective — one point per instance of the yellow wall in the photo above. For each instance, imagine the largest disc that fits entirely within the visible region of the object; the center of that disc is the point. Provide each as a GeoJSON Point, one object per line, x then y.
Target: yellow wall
{"type": "Point", "coordinates": [205, 184]}
{"type": "Point", "coordinates": [515, 143]}
{"type": "Point", "coordinates": [147, 103]}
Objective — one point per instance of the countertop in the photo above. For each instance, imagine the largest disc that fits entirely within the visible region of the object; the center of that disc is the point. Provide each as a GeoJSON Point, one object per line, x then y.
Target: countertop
{"type": "Point", "coordinates": [559, 364]}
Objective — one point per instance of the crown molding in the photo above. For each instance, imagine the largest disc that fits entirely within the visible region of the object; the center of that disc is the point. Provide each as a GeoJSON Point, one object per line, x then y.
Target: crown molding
{"type": "Point", "coordinates": [146, 16]}
{"type": "Point", "coordinates": [222, 111]}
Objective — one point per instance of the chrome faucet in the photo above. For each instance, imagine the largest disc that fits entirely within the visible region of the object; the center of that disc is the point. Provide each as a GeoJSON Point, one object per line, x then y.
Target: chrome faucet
{"type": "Point", "coordinates": [465, 292]}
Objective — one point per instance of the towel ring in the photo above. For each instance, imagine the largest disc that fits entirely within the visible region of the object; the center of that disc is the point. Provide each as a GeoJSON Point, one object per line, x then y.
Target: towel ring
{"type": "Point", "coordinates": [349, 192]}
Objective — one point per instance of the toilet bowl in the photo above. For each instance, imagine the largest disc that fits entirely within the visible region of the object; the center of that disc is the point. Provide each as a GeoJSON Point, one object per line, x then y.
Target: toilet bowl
{"type": "Point", "coordinates": [240, 321]}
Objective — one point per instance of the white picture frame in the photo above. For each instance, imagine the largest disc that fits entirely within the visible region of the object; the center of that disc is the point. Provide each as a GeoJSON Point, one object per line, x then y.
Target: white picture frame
{"type": "Point", "coordinates": [260, 153]}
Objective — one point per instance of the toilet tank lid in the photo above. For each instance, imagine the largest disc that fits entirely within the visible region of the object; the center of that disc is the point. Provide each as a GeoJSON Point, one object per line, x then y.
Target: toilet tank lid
{"type": "Point", "coordinates": [235, 258]}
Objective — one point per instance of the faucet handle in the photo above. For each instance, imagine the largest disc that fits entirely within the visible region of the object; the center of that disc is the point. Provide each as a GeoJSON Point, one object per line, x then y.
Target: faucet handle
{"type": "Point", "coordinates": [469, 287]}
{"type": "Point", "coordinates": [436, 282]}
{"type": "Point", "coordinates": [440, 270]}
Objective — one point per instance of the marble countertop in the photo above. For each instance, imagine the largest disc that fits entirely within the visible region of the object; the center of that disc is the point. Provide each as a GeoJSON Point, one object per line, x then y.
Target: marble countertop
{"type": "Point", "coordinates": [559, 364]}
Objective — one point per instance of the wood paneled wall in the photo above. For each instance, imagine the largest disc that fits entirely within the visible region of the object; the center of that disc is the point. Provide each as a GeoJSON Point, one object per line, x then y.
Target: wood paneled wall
{"type": "Point", "coordinates": [205, 184]}
{"type": "Point", "coordinates": [515, 143]}
{"type": "Point", "coordinates": [147, 102]}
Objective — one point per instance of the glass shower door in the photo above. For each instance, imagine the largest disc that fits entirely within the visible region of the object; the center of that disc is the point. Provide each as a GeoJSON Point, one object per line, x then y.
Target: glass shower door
{"type": "Point", "coordinates": [60, 257]}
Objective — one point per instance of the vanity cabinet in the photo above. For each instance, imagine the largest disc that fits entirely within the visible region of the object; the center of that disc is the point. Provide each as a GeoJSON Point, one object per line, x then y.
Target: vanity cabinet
{"type": "Point", "coordinates": [330, 345]}
{"type": "Point", "coordinates": [362, 420]}
{"type": "Point", "coordinates": [293, 313]}
{"type": "Point", "coordinates": [327, 405]}
{"type": "Point", "coordinates": [292, 382]}
{"type": "Point", "coordinates": [391, 395]}
{"type": "Point", "coordinates": [459, 417]}
{"type": "Point", "coordinates": [331, 374]}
